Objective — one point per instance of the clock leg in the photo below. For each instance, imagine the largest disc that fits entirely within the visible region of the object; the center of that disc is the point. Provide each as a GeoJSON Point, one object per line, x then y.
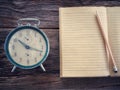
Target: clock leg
{"type": "Point", "coordinates": [13, 69]}
{"type": "Point", "coordinates": [42, 67]}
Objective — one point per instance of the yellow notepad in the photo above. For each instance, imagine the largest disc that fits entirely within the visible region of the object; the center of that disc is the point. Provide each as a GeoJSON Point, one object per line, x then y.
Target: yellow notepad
{"type": "Point", "coordinates": [82, 49]}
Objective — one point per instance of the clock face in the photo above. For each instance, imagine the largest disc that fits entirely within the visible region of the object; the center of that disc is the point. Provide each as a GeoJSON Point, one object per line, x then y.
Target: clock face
{"type": "Point", "coordinates": [27, 47]}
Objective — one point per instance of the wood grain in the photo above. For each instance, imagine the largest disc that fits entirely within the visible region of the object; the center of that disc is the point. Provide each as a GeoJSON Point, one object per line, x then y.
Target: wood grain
{"type": "Point", "coordinates": [45, 10]}
{"type": "Point", "coordinates": [35, 79]}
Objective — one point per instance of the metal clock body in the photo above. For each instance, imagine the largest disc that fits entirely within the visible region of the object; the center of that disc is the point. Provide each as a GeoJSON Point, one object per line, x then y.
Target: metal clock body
{"type": "Point", "coordinates": [27, 47]}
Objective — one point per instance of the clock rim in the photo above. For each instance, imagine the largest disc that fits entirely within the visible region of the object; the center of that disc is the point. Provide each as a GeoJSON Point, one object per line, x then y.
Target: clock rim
{"type": "Point", "coordinates": [6, 47]}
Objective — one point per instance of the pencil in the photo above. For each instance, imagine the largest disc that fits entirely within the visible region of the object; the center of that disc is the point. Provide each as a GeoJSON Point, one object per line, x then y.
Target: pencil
{"type": "Point", "coordinates": [106, 42]}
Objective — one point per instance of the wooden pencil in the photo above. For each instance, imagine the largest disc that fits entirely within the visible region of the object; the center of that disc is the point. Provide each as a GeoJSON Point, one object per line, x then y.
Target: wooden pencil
{"type": "Point", "coordinates": [106, 42]}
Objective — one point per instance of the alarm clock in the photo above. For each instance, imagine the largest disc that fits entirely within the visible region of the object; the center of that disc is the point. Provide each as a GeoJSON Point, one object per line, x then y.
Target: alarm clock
{"type": "Point", "coordinates": [27, 46]}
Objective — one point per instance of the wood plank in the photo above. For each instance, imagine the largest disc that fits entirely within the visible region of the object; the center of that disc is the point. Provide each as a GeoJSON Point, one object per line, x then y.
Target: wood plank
{"type": "Point", "coordinates": [51, 64]}
{"type": "Point", "coordinates": [45, 10]}
{"type": "Point", "coordinates": [11, 11]}
{"type": "Point", "coordinates": [53, 81]}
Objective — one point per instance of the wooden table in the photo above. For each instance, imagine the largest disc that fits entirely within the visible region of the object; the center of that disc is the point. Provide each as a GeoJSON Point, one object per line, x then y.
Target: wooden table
{"type": "Point", "coordinates": [47, 12]}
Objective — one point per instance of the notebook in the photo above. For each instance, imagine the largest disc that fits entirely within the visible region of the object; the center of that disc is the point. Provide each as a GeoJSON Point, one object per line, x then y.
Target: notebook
{"type": "Point", "coordinates": [82, 49]}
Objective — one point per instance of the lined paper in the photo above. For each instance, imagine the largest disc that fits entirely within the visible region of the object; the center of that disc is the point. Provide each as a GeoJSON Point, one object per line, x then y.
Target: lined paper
{"type": "Point", "coordinates": [82, 51]}
{"type": "Point", "coordinates": [114, 35]}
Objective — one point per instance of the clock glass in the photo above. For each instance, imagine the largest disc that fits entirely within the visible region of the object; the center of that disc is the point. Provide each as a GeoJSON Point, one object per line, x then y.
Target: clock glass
{"type": "Point", "coordinates": [27, 47]}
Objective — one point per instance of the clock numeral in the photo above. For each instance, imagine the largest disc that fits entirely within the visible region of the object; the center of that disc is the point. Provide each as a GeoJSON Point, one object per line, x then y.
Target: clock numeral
{"type": "Point", "coordinates": [27, 32]}
{"type": "Point", "coordinates": [20, 59]}
{"type": "Point", "coordinates": [35, 59]}
{"type": "Point", "coordinates": [20, 34]}
{"type": "Point", "coordinates": [15, 54]}
{"type": "Point", "coordinates": [40, 54]}
{"type": "Point", "coordinates": [42, 47]}
{"type": "Point", "coordinates": [35, 34]}
{"type": "Point", "coordinates": [40, 40]}
{"type": "Point", "coordinates": [28, 62]}
{"type": "Point", "coordinates": [27, 38]}
{"type": "Point", "coordinates": [15, 40]}
{"type": "Point", "coordinates": [27, 54]}
{"type": "Point", "coordinates": [13, 47]}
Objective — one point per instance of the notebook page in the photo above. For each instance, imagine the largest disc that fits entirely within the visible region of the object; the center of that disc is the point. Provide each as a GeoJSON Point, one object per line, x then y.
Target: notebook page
{"type": "Point", "coordinates": [82, 52]}
{"type": "Point", "coordinates": [114, 34]}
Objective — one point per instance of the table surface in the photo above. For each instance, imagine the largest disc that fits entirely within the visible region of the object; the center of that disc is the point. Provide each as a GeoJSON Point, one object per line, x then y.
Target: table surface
{"type": "Point", "coordinates": [47, 12]}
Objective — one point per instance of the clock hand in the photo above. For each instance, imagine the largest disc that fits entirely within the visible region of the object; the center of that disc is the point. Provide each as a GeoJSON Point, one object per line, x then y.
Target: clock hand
{"type": "Point", "coordinates": [25, 45]}
{"type": "Point", "coordinates": [31, 48]}
{"type": "Point", "coordinates": [28, 47]}
{"type": "Point", "coordinates": [22, 43]}
{"type": "Point", "coordinates": [26, 38]}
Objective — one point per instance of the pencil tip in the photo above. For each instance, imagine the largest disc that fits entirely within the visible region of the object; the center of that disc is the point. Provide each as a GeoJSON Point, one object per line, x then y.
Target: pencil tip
{"type": "Point", "coordinates": [115, 69]}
